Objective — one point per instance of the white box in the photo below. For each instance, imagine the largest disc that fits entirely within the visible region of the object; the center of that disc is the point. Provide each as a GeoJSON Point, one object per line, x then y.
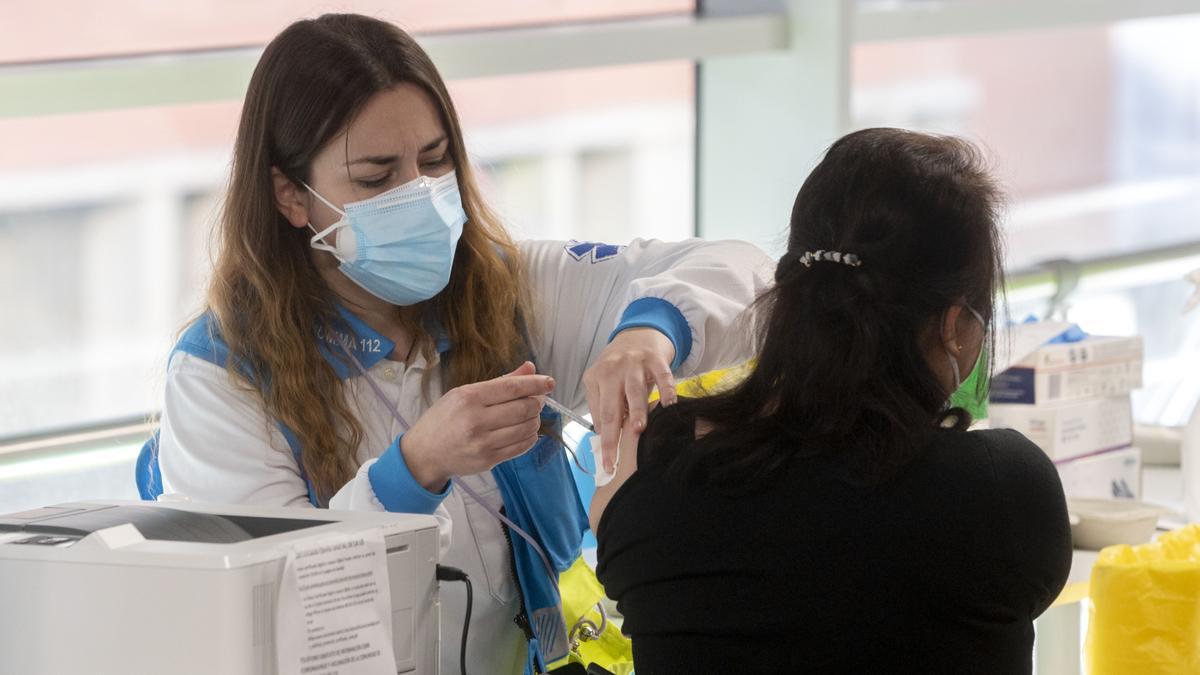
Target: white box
{"type": "Point", "coordinates": [1091, 368]}
{"type": "Point", "coordinates": [1067, 430]}
{"type": "Point", "coordinates": [1092, 350]}
{"type": "Point", "coordinates": [1116, 474]}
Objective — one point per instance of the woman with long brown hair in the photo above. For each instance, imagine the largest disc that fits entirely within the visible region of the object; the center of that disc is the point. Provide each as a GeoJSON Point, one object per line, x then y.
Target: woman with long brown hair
{"type": "Point", "coordinates": [371, 331]}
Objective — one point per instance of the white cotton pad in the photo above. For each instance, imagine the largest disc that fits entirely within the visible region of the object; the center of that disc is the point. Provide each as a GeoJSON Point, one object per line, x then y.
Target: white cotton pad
{"type": "Point", "coordinates": [601, 476]}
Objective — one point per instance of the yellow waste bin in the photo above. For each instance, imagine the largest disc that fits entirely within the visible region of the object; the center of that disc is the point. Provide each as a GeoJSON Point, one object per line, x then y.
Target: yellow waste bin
{"type": "Point", "coordinates": [1145, 607]}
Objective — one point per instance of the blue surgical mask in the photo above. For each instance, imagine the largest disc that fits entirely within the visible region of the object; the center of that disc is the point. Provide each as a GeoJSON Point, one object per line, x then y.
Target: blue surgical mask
{"type": "Point", "coordinates": [399, 245]}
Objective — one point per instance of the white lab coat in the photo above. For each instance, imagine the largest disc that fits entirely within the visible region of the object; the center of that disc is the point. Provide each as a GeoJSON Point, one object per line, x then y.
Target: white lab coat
{"type": "Point", "coordinates": [218, 445]}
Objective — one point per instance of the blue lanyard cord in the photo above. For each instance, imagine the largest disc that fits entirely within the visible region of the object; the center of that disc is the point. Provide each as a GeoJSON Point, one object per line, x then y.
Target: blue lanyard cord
{"type": "Point", "coordinates": [457, 480]}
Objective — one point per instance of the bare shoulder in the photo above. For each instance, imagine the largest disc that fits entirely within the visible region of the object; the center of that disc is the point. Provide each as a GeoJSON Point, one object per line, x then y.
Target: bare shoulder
{"type": "Point", "coordinates": [627, 452]}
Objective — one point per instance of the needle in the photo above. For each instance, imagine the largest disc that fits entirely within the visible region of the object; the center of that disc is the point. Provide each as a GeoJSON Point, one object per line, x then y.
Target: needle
{"type": "Point", "coordinates": [564, 410]}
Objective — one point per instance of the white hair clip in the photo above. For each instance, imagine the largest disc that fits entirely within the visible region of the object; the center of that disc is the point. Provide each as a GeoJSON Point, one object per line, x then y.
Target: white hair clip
{"type": "Point", "coordinates": [830, 256]}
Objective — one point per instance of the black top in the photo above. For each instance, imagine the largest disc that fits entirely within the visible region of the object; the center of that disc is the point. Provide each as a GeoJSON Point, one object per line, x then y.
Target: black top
{"type": "Point", "coordinates": [940, 569]}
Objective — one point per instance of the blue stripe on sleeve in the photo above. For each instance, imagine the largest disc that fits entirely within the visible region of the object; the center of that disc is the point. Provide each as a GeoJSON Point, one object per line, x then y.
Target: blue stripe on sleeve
{"type": "Point", "coordinates": [396, 488]}
{"type": "Point", "coordinates": [663, 316]}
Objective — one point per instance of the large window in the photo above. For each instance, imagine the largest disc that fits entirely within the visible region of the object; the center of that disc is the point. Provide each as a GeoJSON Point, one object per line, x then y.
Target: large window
{"type": "Point", "coordinates": [1095, 132]}
{"type": "Point", "coordinates": [105, 217]}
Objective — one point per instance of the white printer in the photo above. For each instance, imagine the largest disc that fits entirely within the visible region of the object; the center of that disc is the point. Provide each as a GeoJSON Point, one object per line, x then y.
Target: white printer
{"type": "Point", "coordinates": [190, 588]}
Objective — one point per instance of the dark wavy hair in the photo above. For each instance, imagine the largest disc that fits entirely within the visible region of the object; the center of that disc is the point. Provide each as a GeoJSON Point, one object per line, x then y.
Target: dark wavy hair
{"type": "Point", "coordinates": [840, 361]}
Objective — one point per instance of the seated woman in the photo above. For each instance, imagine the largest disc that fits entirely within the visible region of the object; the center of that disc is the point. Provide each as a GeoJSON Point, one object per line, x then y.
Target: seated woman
{"type": "Point", "coordinates": [830, 513]}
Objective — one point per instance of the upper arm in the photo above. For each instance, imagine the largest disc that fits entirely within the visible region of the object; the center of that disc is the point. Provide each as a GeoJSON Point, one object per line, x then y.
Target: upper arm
{"type": "Point", "coordinates": [627, 463]}
{"type": "Point", "coordinates": [216, 443]}
{"type": "Point", "coordinates": [1033, 514]}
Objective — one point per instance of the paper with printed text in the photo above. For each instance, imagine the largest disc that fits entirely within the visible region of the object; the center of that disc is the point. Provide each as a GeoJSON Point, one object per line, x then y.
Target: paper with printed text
{"type": "Point", "coordinates": [334, 615]}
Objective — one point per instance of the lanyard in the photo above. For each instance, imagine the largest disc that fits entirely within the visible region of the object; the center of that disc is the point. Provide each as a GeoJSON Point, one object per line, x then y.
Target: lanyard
{"type": "Point", "coordinates": [457, 480]}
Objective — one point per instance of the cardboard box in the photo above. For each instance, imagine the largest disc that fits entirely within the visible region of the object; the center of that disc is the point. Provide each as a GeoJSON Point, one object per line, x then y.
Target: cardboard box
{"type": "Point", "coordinates": [1116, 474]}
{"type": "Point", "coordinates": [1072, 429]}
{"type": "Point", "coordinates": [1091, 368]}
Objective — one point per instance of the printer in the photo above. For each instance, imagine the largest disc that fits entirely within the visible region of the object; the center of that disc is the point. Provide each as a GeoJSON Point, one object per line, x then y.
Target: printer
{"type": "Point", "coordinates": [142, 588]}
